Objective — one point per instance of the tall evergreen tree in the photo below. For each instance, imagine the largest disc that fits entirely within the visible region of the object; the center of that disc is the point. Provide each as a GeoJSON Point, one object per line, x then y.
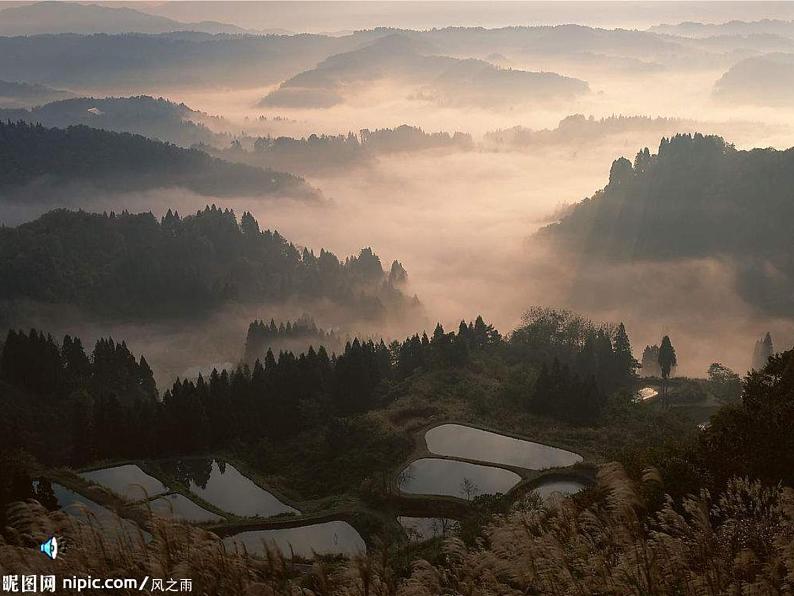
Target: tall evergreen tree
{"type": "Point", "coordinates": [667, 360]}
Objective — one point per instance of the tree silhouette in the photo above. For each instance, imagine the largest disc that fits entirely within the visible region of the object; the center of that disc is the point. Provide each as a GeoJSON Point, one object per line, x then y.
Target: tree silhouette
{"type": "Point", "coordinates": [667, 360]}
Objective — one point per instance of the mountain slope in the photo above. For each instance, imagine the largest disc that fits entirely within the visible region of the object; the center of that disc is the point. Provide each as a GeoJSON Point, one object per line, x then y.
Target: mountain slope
{"type": "Point", "coordinates": [698, 197]}
{"type": "Point", "coordinates": [134, 265]}
{"type": "Point", "coordinates": [137, 60]}
{"type": "Point", "coordinates": [760, 80]}
{"type": "Point", "coordinates": [412, 60]}
{"type": "Point", "coordinates": [15, 94]}
{"type": "Point", "coordinates": [72, 17]}
{"type": "Point", "coordinates": [53, 158]}
{"type": "Point", "coordinates": [155, 118]}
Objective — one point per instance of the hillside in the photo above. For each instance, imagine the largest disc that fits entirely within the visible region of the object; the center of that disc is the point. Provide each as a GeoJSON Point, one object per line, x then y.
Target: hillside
{"type": "Point", "coordinates": [21, 95]}
{"type": "Point", "coordinates": [155, 118]}
{"type": "Point", "coordinates": [137, 266]}
{"type": "Point", "coordinates": [118, 162]}
{"type": "Point", "coordinates": [413, 61]}
{"type": "Point", "coordinates": [761, 80]}
{"type": "Point", "coordinates": [134, 60]}
{"type": "Point", "coordinates": [697, 197]}
{"type": "Point", "coordinates": [72, 17]}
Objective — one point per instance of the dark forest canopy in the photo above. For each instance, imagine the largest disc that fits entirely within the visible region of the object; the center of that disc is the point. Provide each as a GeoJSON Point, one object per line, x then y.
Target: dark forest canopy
{"type": "Point", "coordinates": [110, 161]}
{"type": "Point", "coordinates": [279, 396]}
{"type": "Point", "coordinates": [317, 152]}
{"type": "Point", "coordinates": [698, 197]}
{"type": "Point", "coordinates": [134, 265]}
{"type": "Point", "coordinates": [295, 336]}
{"type": "Point", "coordinates": [156, 118]}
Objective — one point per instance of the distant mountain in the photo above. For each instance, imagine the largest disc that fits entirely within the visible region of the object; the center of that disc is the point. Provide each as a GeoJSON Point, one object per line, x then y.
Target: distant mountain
{"type": "Point", "coordinates": [412, 60]}
{"type": "Point", "coordinates": [133, 61]}
{"type": "Point", "coordinates": [137, 60]}
{"type": "Point", "coordinates": [72, 17]}
{"type": "Point", "coordinates": [39, 161]}
{"type": "Point", "coordinates": [698, 197]}
{"type": "Point", "coordinates": [22, 95]}
{"type": "Point", "coordinates": [761, 80]}
{"type": "Point", "coordinates": [701, 30]}
{"type": "Point", "coordinates": [132, 265]}
{"type": "Point", "coordinates": [557, 39]}
{"type": "Point", "coordinates": [155, 118]}
{"type": "Point", "coordinates": [580, 129]}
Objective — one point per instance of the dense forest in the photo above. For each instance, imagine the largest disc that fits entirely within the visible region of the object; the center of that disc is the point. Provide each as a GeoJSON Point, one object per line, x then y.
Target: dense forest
{"type": "Point", "coordinates": [697, 197]}
{"type": "Point", "coordinates": [45, 159]}
{"type": "Point", "coordinates": [292, 403]}
{"type": "Point", "coordinates": [318, 152]}
{"type": "Point", "coordinates": [295, 336]}
{"type": "Point", "coordinates": [136, 266]}
{"type": "Point", "coordinates": [154, 118]}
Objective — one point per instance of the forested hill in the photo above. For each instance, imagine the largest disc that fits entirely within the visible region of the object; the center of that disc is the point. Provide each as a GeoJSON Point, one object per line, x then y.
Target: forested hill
{"type": "Point", "coordinates": [156, 118]}
{"type": "Point", "coordinates": [135, 266]}
{"type": "Point", "coordinates": [697, 197]}
{"type": "Point", "coordinates": [330, 152]}
{"type": "Point", "coordinates": [113, 161]}
{"type": "Point", "coordinates": [16, 94]}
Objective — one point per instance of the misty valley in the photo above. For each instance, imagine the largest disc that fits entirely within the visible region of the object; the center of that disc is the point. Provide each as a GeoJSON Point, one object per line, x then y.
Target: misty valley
{"type": "Point", "coordinates": [397, 298]}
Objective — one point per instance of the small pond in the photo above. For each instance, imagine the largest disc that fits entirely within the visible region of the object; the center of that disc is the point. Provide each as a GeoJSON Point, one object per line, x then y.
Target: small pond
{"type": "Point", "coordinates": [456, 440]}
{"type": "Point", "coordinates": [434, 476]}
{"type": "Point", "coordinates": [223, 486]}
{"type": "Point", "coordinates": [556, 489]}
{"type": "Point", "coordinates": [127, 481]}
{"type": "Point", "coordinates": [333, 537]}
{"type": "Point", "coordinates": [419, 529]}
{"type": "Point", "coordinates": [96, 515]}
{"type": "Point", "coordinates": [179, 507]}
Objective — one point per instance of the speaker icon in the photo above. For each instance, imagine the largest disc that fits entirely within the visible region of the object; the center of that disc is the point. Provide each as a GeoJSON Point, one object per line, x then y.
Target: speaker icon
{"type": "Point", "coordinates": [50, 548]}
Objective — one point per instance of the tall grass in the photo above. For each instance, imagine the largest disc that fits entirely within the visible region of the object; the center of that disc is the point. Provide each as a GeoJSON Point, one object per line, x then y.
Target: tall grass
{"type": "Point", "coordinates": [621, 538]}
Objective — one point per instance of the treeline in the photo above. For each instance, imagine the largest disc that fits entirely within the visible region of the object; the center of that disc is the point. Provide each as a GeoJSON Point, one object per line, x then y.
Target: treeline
{"type": "Point", "coordinates": [301, 333]}
{"type": "Point", "coordinates": [581, 128]}
{"type": "Point", "coordinates": [133, 265]}
{"type": "Point", "coordinates": [698, 197]}
{"type": "Point", "coordinates": [325, 151]}
{"type": "Point", "coordinates": [121, 162]}
{"type": "Point", "coordinates": [106, 406]}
